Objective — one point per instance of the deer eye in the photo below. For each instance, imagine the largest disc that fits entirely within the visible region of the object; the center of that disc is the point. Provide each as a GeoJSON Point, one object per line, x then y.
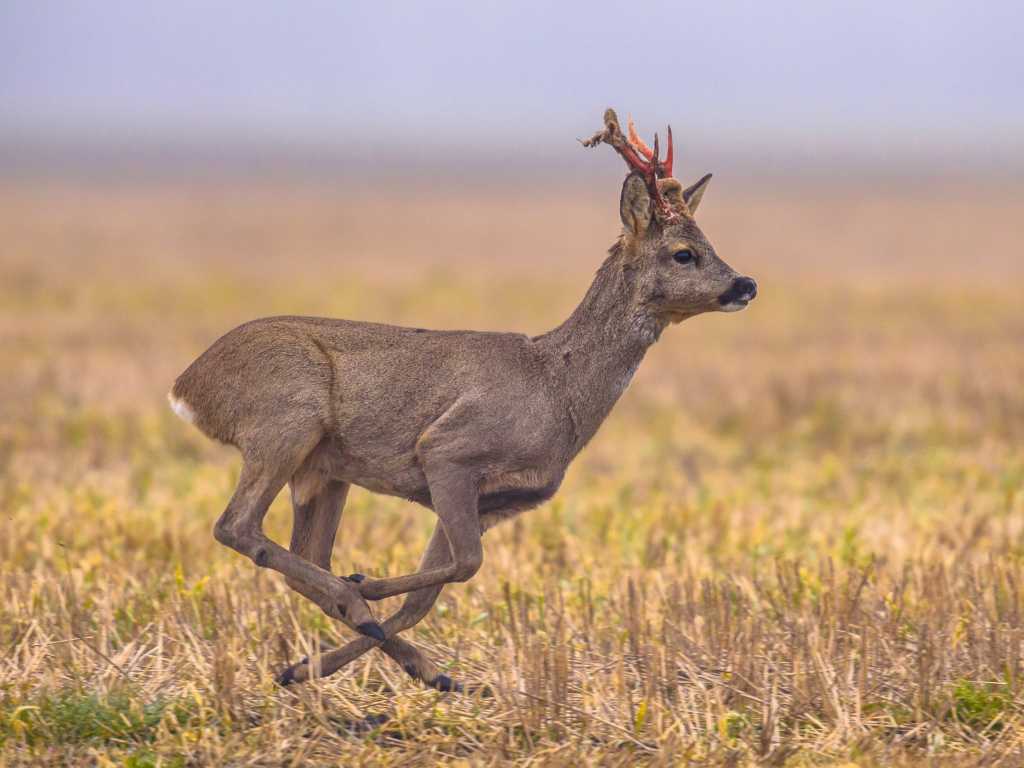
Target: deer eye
{"type": "Point", "coordinates": [684, 256]}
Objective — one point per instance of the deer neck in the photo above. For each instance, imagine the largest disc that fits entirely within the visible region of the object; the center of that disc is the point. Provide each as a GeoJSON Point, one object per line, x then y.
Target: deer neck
{"type": "Point", "coordinates": [599, 347]}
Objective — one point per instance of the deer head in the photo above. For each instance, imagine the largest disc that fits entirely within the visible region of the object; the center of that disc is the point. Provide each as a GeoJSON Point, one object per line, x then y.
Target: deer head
{"type": "Point", "coordinates": [678, 272]}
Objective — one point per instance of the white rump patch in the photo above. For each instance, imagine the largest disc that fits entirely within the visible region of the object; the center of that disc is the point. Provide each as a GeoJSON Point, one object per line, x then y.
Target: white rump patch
{"type": "Point", "coordinates": [183, 409]}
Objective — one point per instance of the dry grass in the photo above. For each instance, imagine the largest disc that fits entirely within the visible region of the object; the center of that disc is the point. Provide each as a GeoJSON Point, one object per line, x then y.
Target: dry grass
{"type": "Point", "coordinates": [798, 540]}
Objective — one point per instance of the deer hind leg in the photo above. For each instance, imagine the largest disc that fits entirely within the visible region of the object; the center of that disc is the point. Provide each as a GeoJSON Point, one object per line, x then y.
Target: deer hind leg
{"type": "Point", "coordinates": [314, 530]}
{"type": "Point", "coordinates": [417, 604]}
{"type": "Point", "coordinates": [241, 528]}
{"type": "Point", "coordinates": [315, 520]}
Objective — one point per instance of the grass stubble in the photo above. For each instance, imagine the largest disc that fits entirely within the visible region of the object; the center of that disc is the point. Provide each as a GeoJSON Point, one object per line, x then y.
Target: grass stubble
{"type": "Point", "coordinates": [798, 540]}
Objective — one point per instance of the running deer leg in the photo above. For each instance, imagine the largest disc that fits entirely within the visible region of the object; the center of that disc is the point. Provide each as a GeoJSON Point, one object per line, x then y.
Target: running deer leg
{"type": "Point", "coordinates": [241, 528]}
{"type": "Point", "coordinates": [454, 493]}
{"type": "Point", "coordinates": [313, 533]}
{"type": "Point", "coordinates": [417, 604]}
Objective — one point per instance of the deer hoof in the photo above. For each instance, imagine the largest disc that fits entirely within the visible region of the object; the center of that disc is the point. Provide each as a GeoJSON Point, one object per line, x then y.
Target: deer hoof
{"type": "Point", "coordinates": [446, 684]}
{"type": "Point", "coordinates": [372, 629]}
{"type": "Point", "coordinates": [288, 677]}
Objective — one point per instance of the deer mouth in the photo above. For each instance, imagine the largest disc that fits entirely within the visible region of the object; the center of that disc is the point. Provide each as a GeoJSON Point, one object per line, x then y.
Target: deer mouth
{"type": "Point", "coordinates": [740, 293]}
{"type": "Point", "coordinates": [733, 306]}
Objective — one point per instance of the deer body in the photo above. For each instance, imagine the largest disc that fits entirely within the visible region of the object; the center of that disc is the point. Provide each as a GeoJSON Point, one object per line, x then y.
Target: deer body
{"type": "Point", "coordinates": [374, 398]}
{"type": "Point", "coordinates": [476, 426]}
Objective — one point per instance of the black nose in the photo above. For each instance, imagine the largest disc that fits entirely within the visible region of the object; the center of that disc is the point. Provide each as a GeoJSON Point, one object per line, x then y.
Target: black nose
{"type": "Point", "coordinates": [744, 287]}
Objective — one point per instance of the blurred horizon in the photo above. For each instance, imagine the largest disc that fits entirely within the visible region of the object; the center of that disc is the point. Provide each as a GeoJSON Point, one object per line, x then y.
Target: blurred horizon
{"type": "Point", "coordinates": [798, 537]}
{"type": "Point", "coordinates": [222, 88]}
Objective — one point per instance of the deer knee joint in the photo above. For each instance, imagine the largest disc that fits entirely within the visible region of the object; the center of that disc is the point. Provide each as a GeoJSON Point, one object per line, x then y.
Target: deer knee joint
{"type": "Point", "coordinates": [250, 543]}
{"type": "Point", "coordinates": [466, 567]}
{"type": "Point", "coordinates": [225, 534]}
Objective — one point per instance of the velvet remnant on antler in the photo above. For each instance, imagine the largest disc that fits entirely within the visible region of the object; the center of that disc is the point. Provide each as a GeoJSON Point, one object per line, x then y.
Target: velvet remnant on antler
{"type": "Point", "coordinates": [641, 158]}
{"type": "Point", "coordinates": [665, 168]}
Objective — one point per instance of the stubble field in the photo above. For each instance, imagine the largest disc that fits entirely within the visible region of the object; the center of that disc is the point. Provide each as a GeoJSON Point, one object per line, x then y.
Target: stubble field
{"type": "Point", "coordinates": [798, 540]}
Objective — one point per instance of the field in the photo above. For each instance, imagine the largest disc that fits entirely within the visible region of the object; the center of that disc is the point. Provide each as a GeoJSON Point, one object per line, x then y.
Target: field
{"type": "Point", "coordinates": [798, 540]}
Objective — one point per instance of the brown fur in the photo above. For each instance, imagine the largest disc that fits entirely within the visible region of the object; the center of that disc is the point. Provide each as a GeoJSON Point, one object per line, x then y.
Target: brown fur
{"type": "Point", "coordinates": [477, 426]}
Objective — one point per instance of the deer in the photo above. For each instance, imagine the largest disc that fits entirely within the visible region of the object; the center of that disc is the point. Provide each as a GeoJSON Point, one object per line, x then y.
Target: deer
{"type": "Point", "coordinates": [476, 426]}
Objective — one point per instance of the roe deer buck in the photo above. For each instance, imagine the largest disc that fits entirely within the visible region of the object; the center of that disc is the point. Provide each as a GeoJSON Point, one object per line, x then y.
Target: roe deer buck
{"type": "Point", "coordinates": [476, 426]}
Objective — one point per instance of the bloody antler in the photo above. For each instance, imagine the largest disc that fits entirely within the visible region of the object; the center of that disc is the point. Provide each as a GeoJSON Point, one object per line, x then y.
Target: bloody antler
{"type": "Point", "coordinates": [640, 157]}
{"type": "Point", "coordinates": [664, 169]}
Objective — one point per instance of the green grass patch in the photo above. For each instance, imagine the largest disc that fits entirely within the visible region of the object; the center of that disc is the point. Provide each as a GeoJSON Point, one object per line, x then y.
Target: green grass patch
{"type": "Point", "coordinates": [76, 717]}
{"type": "Point", "coordinates": [979, 705]}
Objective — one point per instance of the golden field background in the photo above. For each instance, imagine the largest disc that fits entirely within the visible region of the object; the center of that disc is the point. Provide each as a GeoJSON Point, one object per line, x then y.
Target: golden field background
{"type": "Point", "coordinates": [797, 540]}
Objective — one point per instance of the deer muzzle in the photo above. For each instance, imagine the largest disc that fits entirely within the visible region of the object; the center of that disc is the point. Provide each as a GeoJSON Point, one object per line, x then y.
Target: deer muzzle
{"type": "Point", "coordinates": [739, 294]}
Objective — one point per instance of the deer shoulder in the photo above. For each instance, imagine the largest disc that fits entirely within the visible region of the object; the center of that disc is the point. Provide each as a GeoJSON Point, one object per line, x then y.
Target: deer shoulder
{"type": "Point", "coordinates": [510, 428]}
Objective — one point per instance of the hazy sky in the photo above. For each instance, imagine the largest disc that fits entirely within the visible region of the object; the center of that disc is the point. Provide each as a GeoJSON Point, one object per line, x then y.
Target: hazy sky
{"type": "Point", "coordinates": [796, 77]}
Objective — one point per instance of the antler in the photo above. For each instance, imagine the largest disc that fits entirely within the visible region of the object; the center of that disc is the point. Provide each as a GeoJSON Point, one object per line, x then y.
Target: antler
{"type": "Point", "coordinates": [665, 169]}
{"type": "Point", "coordinates": [639, 157]}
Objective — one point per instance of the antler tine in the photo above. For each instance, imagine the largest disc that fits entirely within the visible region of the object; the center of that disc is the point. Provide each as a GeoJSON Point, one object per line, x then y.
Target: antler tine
{"type": "Point", "coordinates": [664, 210]}
{"type": "Point", "coordinates": [668, 156]}
{"type": "Point", "coordinates": [639, 157]}
{"type": "Point", "coordinates": [665, 168]}
{"type": "Point", "coordinates": [636, 141]}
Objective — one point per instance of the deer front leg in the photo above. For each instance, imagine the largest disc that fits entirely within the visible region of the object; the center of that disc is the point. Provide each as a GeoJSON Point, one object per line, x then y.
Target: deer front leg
{"type": "Point", "coordinates": [241, 528]}
{"type": "Point", "coordinates": [453, 492]}
{"type": "Point", "coordinates": [314, 529]}
{"type": "Point", "coordinates": [417, 604]}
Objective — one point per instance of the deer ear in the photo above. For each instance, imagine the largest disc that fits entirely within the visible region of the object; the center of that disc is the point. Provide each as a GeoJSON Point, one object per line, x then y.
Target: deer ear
{"type": "Point", "coordinates": [635, 205]}
{"type": "Point", "coordinates": [694, 193]}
